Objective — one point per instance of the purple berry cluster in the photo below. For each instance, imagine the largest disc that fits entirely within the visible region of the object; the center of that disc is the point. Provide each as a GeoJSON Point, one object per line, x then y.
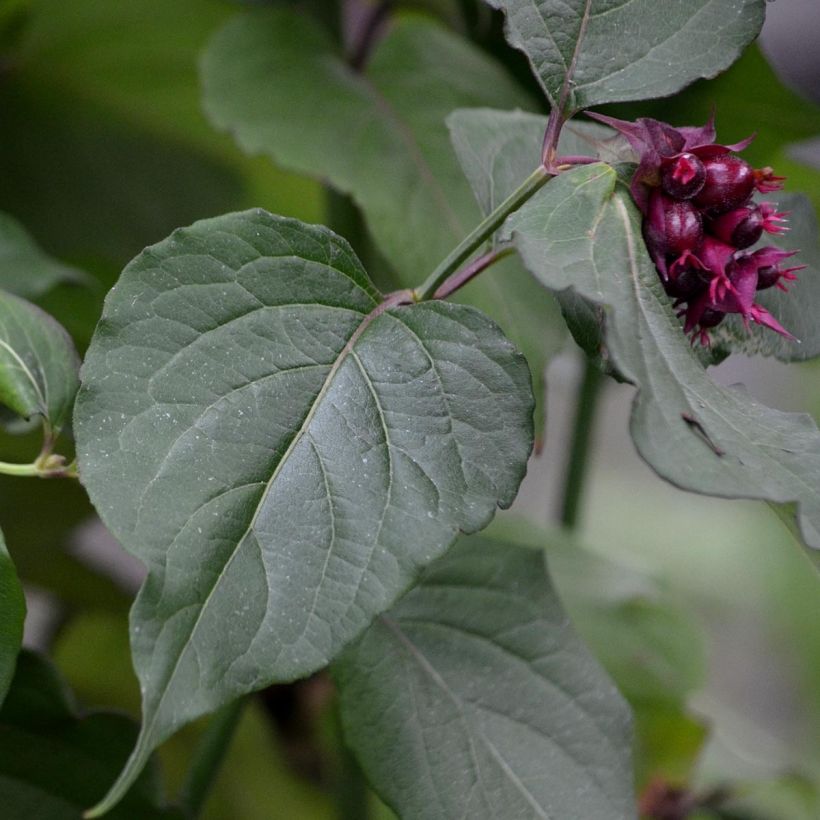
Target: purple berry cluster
{"type": "Point", "coordinates": [700, 221]}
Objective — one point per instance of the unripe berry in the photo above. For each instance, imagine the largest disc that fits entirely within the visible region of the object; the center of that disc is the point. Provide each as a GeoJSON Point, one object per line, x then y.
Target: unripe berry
{"type": "Point", "coordinates": [741, 227]}
{"type": "Point", "coordinates": [683, 176]}
{"type": "Point", "coordinates": [729, 184]}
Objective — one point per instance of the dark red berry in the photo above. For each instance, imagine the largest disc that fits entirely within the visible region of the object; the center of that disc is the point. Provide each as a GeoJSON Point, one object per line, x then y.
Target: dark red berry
{"type": "Point", "coordinates": [729, 184]}
{"type": "Point", "coordinates": [741, 227]}
{"type": "Point", "coordinates": [711, 318]}
{"type": "Point", "coordinates": [683, 176]}
{"type": "Point", "coordinates": [683, 226]}
{"type": "Point", "coordinates": [767, 277]}
{"type": "Point", "coordinates": [688, 284]}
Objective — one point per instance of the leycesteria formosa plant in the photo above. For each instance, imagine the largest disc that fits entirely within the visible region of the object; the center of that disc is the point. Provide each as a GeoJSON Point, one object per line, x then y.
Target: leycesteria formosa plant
{"type": "Point", "coordinates": [303, 463]}
{"type": "Point", "coordinates": [700, 220]}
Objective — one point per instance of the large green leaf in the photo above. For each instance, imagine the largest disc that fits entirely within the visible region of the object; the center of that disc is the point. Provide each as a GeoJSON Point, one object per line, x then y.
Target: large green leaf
{"type": "Point", "coordinates": [473, 697]}
{"type": "Point", "coordinates": [379, 136]}
{"type": "Point", "coordinates": [583, 231]}
{"type": "Point", "coordinates": [283, 451]}
{"type": "Point", "coordinates": [53, 762]}
{"type": "Point", "coordinates": [12, 615]}
{"type": "Point", "coordinates": [25, 269]}
{"type": "Point", "coordinates": [588, 52]}
{"type": "Point", "coordinates": [38, 363]}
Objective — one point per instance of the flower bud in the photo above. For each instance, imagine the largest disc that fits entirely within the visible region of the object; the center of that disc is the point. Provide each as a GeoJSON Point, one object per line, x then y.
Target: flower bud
{"type": "Point", "coordinates": [683, 176]}
{"type": "Point", "coordinates": [729, 183]}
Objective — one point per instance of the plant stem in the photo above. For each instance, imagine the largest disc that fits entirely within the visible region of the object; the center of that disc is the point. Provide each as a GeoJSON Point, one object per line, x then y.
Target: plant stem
{"type": "Point", "coordinates": [461, 277]}
{"type": "Point", "coordinates": [483, 231]}
{"type": "Point", "coordinates": [369, 32]}
{"type": "Point", "coordinates": [32, 469]}
{"type": "Point", "coordinates": [351, 790]}
{"type": "Point", "coordinates": [586, 403]}
{"type": "Point", "coordinates": [208, 757]}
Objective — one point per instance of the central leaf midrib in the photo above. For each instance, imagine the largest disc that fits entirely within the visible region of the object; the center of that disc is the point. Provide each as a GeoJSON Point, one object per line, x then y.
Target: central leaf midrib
{"type": "Point", "coordinates": [427, 666]}
{"type": "Point", "coordinates": [345, 351]}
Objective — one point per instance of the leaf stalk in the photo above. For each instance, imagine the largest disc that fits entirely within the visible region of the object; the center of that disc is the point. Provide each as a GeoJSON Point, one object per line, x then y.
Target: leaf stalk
{"type": "Point", "coordinates": [481, 233]}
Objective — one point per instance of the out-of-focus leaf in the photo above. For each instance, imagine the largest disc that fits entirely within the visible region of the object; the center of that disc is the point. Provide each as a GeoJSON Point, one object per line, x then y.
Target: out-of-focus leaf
{"type": "Point", "coordinates": [25, 269]}
{"type": "Point", "coordinates": [668, 742]}
{"type": "Point", "coordinates": [12, 615]}
{"type": "Point", "coordinates": [473, 697]}
{"type": "Point", "coordinates": [649, 645]}
{"type": "Point", "coordinates": [379, 136]}
{"type": "Point", "coordinates": [588, 52]}
{"type": "Point", "coordinates": [255, 781]}
{"type": "Point", "coordinates": [788, 798]}
{"type": "Point", "coordinates": [38, 363]}
{"type": "Point", "coordinates": [54, 763]}
{"type": "Point", "coordinates": [583, 230]}
{"type": "Point", "coordinates": [284, 451]}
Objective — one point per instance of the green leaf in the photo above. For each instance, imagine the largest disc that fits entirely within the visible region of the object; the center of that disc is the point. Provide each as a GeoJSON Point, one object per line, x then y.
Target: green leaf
{"type": "Point", "coordinates": [651, 647]}
{"type": "Point", "coordinates": [796, 310]}
{"type": "Point", "coordinates": [583, 231]}
{"type": "Point", "coordinates": [25, 270]}
{"type": "Point", "coordinates": [588, 52]}
{"type": "Point", "coordinates": [38, 363]}
{"type": "Point", "coordinates": [381, 137]}
{"type": "Point", "coordinates": [265, 433]}
{"type": "Point", "coordinates": [496, 150]}
{"type": "Point", "coordinates": [473, 697]}
{"type": "Point", "coordinates": [53, 763]}
{"type": "Point", "coordinates": [748, 99]}
{"type": "Point", "coordinates": [12, 616]}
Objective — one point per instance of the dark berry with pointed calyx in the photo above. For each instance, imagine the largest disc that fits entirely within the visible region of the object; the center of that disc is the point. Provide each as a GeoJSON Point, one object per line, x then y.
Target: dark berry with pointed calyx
{"type": "Point", "coordinates": [741, 227]}
{"type": "Point", "coordinates": [683, 176]}
{"type": "Point", "coordinates": [729, 183]}
{"type": "Point", "coordinates": [711, 318]}
{"type": "Point", "coordinates": [688, 284]}
{"type": "Point", "coordinates": [767, 277]}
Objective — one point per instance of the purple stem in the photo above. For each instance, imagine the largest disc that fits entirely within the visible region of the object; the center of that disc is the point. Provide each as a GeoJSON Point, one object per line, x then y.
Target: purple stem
{"type": "Point", "coordinates": [368, 34]}
{"type": "Point", "coordinates": [461, 277]}
{"type": "Point", "coordinates": [575, 159]}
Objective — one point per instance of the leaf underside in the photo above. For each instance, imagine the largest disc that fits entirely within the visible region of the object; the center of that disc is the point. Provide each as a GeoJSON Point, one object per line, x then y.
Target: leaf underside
{"type": "Point", "coordinates": [54, 762]}
{"type": "Point", "coordinates": [25, 269]}
{"type": "Point", "coordinates": [38, 363]}
{"type": "Point", "coordinates": [589, 52]}
{"type": "Point", "coordinates": [583, 231]}
{"type": "Point", "coordinates": [12, 616]}
{"type": "Point", "coordinates": [473, 697]}
{"type": "Point", "coordinates": [266, 438]}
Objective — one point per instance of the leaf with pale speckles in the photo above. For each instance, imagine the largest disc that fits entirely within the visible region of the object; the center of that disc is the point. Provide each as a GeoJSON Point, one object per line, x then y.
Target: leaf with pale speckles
{"type": "Point", "coordinates": [284, 451]}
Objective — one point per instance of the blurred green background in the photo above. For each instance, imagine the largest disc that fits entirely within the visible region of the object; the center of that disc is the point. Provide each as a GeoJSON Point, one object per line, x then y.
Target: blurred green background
{"type": "Point", "coordinates": [706, 612]}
